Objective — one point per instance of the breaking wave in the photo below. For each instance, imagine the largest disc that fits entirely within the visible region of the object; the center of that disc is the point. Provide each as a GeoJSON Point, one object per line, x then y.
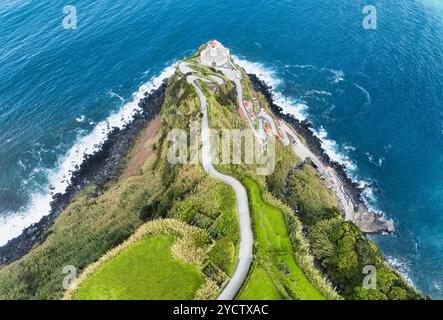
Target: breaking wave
{"type": "Point", "coordinates": [299, 110]}
{"type": "Point", "coordinates": [12, 224]}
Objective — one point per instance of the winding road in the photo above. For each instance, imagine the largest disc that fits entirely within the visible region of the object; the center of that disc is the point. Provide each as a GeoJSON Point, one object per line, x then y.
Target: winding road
{"type": "Point", "coordinates": [246, 236]}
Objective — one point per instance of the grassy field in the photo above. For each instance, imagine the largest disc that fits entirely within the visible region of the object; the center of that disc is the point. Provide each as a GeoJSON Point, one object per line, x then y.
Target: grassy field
{"type": "Point", "coordinates": [260, 287]}
{"type": "Point", "coordinates": [275, 252]}
{"type": "Point", "coordinates": [145, 271]}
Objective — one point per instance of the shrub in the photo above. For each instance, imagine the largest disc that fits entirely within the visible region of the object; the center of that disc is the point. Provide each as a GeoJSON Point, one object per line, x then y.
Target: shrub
{"type": "Point", "coordinates": [208, 291]}
{"type": "Point", "coordinates": [344, 251]}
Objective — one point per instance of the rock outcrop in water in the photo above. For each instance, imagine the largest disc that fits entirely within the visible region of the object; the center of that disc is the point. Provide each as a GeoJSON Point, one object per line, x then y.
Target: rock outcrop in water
{"type": "Point", "coordinates": [97, 169]}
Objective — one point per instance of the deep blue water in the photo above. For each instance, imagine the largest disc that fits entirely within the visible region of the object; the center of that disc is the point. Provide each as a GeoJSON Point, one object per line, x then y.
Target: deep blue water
{"type": "Point", "coordinates": [377, 93]}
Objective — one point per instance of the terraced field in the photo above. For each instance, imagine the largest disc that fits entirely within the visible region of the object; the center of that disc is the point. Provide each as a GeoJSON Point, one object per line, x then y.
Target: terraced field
{"type": "Point", "coordinates": [276, 274]}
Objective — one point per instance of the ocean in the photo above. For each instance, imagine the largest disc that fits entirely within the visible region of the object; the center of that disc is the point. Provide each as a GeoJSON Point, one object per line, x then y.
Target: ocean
{"type": "Point", "coordinates": [374, 96]}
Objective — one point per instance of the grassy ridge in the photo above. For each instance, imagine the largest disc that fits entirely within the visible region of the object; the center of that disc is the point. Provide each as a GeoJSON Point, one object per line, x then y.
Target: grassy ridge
{"type": "Point", "coordinates": [274, 253]}
{"type": "Point", "coordinates": [284, 267]}
{"type": "Point", "coordinates": [260, 286]}
{"type": "Point", "coordinates": [280, 222]}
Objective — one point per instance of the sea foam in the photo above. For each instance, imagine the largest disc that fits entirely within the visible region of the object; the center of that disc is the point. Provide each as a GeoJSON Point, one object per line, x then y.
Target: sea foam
{"type": "Point", "coordinates": [299, 110]}
{"type": "Point", "coordinates": [13, 224]}
{"type": "Point", "coordinates": [295, 108]}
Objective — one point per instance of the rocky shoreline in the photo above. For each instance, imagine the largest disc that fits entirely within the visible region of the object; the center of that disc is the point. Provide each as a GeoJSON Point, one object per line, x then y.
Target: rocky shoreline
{"type": "Point", "coordinates": [369, 222]}
{"type": "Point", "coordinates": [97, 169]}
{"type": "Point", "coordinates": [106, 164]}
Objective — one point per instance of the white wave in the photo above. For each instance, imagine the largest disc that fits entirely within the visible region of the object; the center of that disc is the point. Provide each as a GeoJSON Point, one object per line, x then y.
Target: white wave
{"type": "Point", "coordinates": [318, 92]}
{"type": "Point", "coordinates": [112, 94]}
{"type": "Point", "coordinates": [332, 149]}
{"type": "Point", "coordinates": [366, 92]}
{"type": "Point", "coordinates": [378, 162]}
{"type": "Point", "coordinates": [264, 73]}
{"type": "Point", "coordinates": [290, 106]}
{"type": "Point", "coordinates": [338, 76]}
{"type": "Point", "coordinates": [305, 66]}
{"type": "Point", "coordinates": [299, 111]}
{"type": "Point", "coordinates": [80, 119]}
{"type": "Point", "coordinates": [349, 148]}
{"type": "Point", "coordinates": [402, 267]}
{"type": "Point", "coordinates": [370, 198]}
{"type": "Point", "coordinates": [21, 164]}
{"type": "Point", "coordinates": [13, 224]}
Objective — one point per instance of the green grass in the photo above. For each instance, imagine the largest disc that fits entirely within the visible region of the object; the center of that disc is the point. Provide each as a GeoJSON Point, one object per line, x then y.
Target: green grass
{"type": "Point", "coordinates": [260, 287]}
{"type": "Point", "coordinates": [212, 206]}
{"type": "Point", "coordinates": [145, 271]}
{"type": "Point", "coordinates": [275, 251]}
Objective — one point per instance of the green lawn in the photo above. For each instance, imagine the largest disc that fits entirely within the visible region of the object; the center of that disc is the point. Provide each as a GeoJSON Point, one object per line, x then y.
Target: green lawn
{"type": "Point", "coordinates": [260, 287]}
{"type": "Point", "coordinates": [145, 271]}
{"type": "Point", "coordinates": [275, 250]}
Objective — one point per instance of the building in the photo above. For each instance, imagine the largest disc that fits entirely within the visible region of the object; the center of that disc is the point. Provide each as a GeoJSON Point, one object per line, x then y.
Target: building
{"type": "Point", "coordinates": [248, 105]}
{"type": "Point", "coordinates": [280, 134]}
{"type": "Point", "coordinates": [278, 120]}
{"type": "Point", "coordinates": [268, 129]}
{"type": "Point", "coordinates": [215, 55]}
{"type": "Point", "coordinates": [242, 114]}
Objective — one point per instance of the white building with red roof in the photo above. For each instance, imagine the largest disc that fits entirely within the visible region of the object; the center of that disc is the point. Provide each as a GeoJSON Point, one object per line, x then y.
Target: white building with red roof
{"type": "Point", "coordinates": [215, 55]}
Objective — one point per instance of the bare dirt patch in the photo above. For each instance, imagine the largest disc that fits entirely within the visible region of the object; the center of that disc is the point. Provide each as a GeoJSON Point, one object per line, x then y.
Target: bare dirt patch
{"type": "Point", "coordinates": [142, 149]}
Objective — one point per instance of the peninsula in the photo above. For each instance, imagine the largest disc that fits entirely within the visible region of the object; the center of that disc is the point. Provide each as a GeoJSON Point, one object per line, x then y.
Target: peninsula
{"type": "Point", "coordinates": [172, 215]}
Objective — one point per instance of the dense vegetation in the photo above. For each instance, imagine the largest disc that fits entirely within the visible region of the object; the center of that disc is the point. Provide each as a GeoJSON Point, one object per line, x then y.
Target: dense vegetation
{"type": "Point", "coordinates": [339, 246]}
{"type": "Point", "coordinates": [344, 251]}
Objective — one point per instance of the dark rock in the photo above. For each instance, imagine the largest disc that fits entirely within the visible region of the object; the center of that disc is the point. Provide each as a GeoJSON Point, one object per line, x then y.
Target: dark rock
{"type": "Point", "coordinates": [99, 168]}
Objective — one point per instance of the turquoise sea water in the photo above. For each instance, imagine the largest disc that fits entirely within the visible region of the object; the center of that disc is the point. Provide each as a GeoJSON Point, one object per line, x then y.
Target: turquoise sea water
{"type": "Point", "coordinates": [375, 96]}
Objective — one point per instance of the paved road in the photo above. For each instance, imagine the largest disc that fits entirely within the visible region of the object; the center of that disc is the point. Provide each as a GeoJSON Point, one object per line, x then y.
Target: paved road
{"type": "Point", "coordinates": [246, 235]}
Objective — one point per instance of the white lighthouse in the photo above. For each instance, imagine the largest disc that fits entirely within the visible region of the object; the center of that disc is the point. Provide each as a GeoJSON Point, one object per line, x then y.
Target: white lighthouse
{"type": "Point", "coordinates": [215, 55]}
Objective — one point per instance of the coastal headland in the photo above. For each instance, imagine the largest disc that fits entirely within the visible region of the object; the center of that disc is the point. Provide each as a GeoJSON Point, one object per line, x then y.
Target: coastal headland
{"type": "Point", "coordinates": [295, 232]}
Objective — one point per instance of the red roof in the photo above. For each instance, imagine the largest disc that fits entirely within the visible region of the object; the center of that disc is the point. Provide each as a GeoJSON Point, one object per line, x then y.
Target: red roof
{"type": "Point", "coordinates": [242, 114]}
{"type": "Point", "coordinates": [214, 43]}
{"type": "Point", "coordinates": [268, 128]}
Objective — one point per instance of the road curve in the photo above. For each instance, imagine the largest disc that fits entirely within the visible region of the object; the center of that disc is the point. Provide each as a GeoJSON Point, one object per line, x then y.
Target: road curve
{"type": "Point", "coordinates": [246, 236]}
